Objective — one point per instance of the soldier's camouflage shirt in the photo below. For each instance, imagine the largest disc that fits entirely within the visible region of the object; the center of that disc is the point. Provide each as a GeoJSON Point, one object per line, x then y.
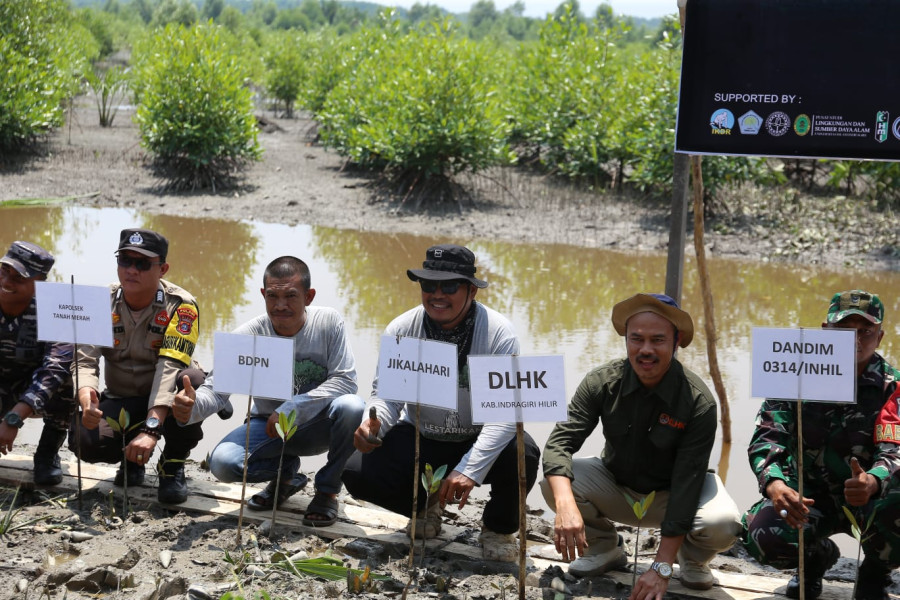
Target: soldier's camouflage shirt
{"type": "Point", "coordinates": [31, 371]}
{"type": "Point", "coordinates": [832, 433]}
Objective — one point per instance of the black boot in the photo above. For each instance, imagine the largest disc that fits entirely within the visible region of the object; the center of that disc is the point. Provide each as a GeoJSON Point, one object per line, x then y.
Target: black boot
{"type": "Point", "coordinates": [819, 558]}
{"type": "Point", "coordinates": [47, 469]}
{"type": "Point", "coordinates": [172, 482]}
{"type": "Point", "coordinates": [874, 578]}
{"type": "Point", "coordinates": [135, 474]}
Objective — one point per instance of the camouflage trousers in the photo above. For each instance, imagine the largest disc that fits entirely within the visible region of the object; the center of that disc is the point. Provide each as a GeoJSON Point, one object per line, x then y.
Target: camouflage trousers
{"type": "Point", "coordinates": [772, 542]}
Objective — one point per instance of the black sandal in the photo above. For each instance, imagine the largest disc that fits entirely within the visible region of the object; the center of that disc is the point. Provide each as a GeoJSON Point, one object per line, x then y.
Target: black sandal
{"type": "Point", "coordinates": [264, 499]}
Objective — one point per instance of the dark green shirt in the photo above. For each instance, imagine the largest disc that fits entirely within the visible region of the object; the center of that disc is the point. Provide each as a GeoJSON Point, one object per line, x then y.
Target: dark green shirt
{"type": "Point", "coordinates": [657, 439]}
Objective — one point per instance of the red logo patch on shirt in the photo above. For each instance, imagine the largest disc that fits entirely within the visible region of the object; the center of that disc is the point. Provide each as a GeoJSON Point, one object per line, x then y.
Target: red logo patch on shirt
{"type": "Point", "coordinates": [887, 426]}
{"type": "Point", "coordinates": [186, 318]}
{"type": "Point", "coordinates": [116, 318]}
{"type": "Point", "coordinates": [162, 318]}
{"type": "Point", "coordinates": [669, 421]}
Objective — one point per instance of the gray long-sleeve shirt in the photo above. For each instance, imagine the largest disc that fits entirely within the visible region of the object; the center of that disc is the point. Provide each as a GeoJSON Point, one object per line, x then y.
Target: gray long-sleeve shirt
{"type": "Point", "coordinates": [324, 368]}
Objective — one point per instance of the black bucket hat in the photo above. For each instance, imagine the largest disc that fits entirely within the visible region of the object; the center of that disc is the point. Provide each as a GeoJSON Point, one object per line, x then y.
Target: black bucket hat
{"type": "Point", "coordinates": [445, 262]}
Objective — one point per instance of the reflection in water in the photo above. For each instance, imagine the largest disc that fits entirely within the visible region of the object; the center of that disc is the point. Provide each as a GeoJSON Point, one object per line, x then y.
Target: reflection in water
{"type": "Point", "coordinates": [559, 298]}
{"type": "Point", "coordinates": [210, 259]}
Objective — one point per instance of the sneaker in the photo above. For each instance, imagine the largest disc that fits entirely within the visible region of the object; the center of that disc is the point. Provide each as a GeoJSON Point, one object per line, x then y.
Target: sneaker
{"type": "Point", "coordinates": [819, 559]}
{"type": "Point", "coordinates": [694, 575]}
{"type": "Point", "coordinates": [428, 522]}
{"type": "Point", "coordinates": [172, 482]}
{"type": "Point", "coordinates": [873, 581]}
{"type": "Point", "coordinates": [597, 564]}
{"type": "Point", "coordinates": [135, 475]}
{"type": "Point", "coordinates": [501, 547]}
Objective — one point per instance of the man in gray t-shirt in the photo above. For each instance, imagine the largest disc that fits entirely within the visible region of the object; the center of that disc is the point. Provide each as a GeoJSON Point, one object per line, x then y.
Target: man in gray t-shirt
{"type": "Point", "coordinates": [325, 402]}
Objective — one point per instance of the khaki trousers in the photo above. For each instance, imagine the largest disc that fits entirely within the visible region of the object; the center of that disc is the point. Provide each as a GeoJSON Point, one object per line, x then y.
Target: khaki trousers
{"type": "Point", "coordinates": [602, 503]}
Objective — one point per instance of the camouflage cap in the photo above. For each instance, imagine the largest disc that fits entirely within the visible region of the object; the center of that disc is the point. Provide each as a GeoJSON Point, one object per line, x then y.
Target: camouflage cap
{"type": "Point", "coordinates": [855, 302]}
{"type": "Point", "coordinates": [29, 260]}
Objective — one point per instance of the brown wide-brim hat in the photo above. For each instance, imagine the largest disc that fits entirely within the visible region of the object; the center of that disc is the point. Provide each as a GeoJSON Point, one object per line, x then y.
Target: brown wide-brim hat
{"type": "Point", "coordinates": [660, 304]}
{"type": "Point", "coordinates": [445, 262]}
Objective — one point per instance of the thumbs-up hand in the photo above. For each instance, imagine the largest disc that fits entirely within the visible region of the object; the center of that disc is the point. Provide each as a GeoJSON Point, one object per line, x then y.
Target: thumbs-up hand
{"type": "Point", "coordinates": [366, 437]}
{"type": "Point", "coordinates": [861, 486]}
{"type": "Point", "coordinates": [184, 401]}
{"type": "Point", "coordinates": [90, 407]}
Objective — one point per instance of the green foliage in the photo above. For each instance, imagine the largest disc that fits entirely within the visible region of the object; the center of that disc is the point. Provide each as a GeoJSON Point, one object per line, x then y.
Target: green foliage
{"type": "Point", "coordinates": [431, 480]}
{"type": "Point", "coordinates": [286, 60]}
{"type": "Point", "coordinates": [559, 98]}
{"type": "Point", "coordinates": [7, 521]}
{"type": "Point", "coordinates": [286, 425]}
{"type": "Point", "coordinates": [423, 104]}
{"type": "Point", "coordinates": [41, 55]}
{"type": "Point", "coordinates": [195, 113]}
{"type": "Point", "coordinates": [109, 88]}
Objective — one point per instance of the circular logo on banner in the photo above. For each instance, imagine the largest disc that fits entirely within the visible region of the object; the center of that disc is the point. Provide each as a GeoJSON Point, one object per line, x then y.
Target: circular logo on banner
{"type": "Point", "coordinates": [895, 128]}
{"type": "Point", "coordinates": [722, 119]}
{"type": "Point", "coordinates": [778, 123]}
{"type": "Point", "coordinates": [801, 125]}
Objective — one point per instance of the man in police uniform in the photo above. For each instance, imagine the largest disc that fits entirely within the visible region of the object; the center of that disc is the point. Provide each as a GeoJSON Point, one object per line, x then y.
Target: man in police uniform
{"type": "Point", "coordinates": [155, 330]}
{"type": "Point", "coordinates": [34, 375]}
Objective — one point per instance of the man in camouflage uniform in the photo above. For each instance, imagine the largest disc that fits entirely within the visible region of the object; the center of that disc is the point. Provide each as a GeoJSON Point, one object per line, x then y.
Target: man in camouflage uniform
{"type": "Point", "coordinates": [851, 456]}
{"type": "Point", "coordinates": [34, 375]}
{"type": "Point", "coordinates": [155, 331]}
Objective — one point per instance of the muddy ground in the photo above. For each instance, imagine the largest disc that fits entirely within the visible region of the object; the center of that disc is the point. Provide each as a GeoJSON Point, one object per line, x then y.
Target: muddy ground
{"type": "Point", "coordinates": [300, 182]}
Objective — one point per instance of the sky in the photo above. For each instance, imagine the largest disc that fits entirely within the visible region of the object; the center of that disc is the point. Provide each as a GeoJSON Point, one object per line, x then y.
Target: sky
{"type": "Point", "coordinates": [540, 8]}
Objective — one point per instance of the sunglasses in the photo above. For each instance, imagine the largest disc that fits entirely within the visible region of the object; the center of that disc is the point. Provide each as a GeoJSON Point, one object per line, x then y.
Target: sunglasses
{"type": "Point", "coordinates": [448, 287]}
{"type": "Point", "coordinates": [141, 264]}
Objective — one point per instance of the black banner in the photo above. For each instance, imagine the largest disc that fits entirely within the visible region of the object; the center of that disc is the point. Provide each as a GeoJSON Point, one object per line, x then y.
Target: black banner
{"type": "Point", "coordinates": [792, 78]}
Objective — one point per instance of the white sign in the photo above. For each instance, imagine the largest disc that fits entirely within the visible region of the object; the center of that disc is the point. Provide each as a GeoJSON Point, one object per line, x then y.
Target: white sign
{"type": "Point", "coordinates": [77, 314]}
{"type": "Point", "coordinates": [804, 364]}
{"type": "Point", "coordinates": [517, 389]}
{"type": "Point", "coordinates": [418, 371]}
{"type": "Point", "coordinates": [256, 365]}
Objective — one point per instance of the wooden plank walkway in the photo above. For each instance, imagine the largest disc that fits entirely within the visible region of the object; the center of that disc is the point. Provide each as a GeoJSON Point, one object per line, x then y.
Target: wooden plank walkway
{"type": "Point", "coordinates": [217, 498]}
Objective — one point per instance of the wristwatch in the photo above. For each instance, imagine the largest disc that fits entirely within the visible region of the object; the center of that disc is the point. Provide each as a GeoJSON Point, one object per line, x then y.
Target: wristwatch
{"type": "Point", "coordinates": [663, 569]}
{"type": "Point", "coordinates": [151, 427]}
{"type": "Point", "coordinates": [13, 420]}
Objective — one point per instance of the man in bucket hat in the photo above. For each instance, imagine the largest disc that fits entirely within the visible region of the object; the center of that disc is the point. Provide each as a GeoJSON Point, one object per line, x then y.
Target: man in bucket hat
{"type": "Point", "coordinates": [155, 330]}
{"type": "Point", "coordinates": [851, 454]}
{"type": "Point", "coordinates": [659, 423]}
{"type": "Point", "coordinates": [382, 472]}
{"type": "Point", "coordinates": [34, 375]}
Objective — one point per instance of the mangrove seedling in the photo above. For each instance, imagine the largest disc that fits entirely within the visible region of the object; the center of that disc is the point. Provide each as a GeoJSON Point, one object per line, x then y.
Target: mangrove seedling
{"type": "Point", "coordinates": [286, 428]}
{"type": "Point", "coordinates": [431, 481]}
{"type": "Point", "coordinates": [859, 534]}
{"type": "Point", "coordinates": [123, 426]}
{"type": "Point", "coordinates": [640, 511]}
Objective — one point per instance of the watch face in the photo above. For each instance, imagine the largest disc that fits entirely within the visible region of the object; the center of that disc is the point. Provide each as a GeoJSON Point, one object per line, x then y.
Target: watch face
{"type": "Point", "coordinates": [152, 422]}
{"type": "Point", "coordinates": [13, 420]}
{"type": "Point", "coordinates": [664, 569]}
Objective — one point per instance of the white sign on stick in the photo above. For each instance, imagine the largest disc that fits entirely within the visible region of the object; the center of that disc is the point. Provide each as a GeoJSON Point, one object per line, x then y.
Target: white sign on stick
{"type": "Point", "coordinates": [77, 314]}
{"type": "Point", "coordinates": [256, 365]}
{"type": "Point", "coordinates": [804, 364]}
{"type": "Point", "coordinates": [418, 371]}
{"type": "Point", "coordinates": [517, 389]}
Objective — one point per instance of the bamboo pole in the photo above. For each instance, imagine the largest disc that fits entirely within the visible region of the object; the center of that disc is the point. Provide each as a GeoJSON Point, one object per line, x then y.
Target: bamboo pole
{"type": "Point", "coordinates": [709, 321]}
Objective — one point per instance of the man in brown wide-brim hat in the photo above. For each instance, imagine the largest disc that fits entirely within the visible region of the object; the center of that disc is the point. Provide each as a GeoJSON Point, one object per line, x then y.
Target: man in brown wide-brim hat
{"type": "Point", "coordinates": [659, 423]}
